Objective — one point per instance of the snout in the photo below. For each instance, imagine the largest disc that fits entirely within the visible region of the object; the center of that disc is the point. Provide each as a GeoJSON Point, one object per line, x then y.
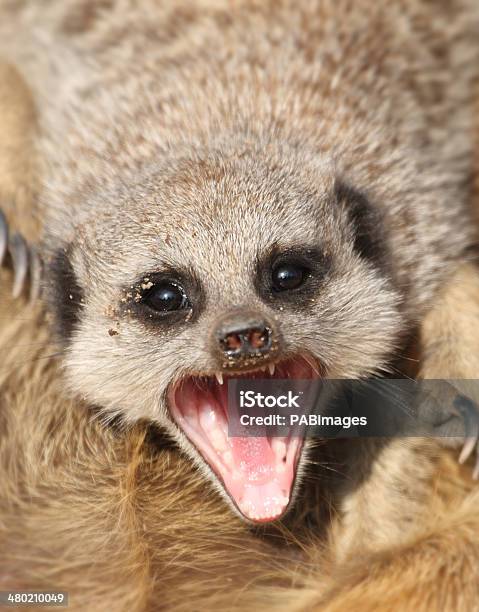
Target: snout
{"type": "Point", "coordinates": [243, 338]}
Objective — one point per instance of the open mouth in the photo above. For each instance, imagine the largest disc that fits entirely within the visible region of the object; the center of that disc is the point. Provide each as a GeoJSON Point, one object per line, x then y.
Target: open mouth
{"type": "Point", "coordinates": [257, 472]}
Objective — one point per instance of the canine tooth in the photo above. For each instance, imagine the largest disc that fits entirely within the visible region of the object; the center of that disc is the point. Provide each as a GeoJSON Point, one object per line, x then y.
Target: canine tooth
{"type": "Point", "coordinates": [271, 368]}
{"type": "Point", "coordinates": [280, 468]}
{"type": "Point", "coordinates": [219, 377]}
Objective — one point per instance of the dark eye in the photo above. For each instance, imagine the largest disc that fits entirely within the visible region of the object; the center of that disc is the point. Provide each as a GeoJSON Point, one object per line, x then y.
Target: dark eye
{"type": "Point", "coordinates": [166, 297]}
{"type": "Point", "coordinates": [287, 276]}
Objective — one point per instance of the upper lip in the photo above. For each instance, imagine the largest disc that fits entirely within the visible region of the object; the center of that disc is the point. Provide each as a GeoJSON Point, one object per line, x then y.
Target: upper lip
{"type": "Point", "coordinates": [249, 362]}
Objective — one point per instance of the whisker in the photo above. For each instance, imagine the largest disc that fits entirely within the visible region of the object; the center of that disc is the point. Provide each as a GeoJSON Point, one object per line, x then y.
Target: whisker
{"type": "Point", "coordinates": [34, 359]}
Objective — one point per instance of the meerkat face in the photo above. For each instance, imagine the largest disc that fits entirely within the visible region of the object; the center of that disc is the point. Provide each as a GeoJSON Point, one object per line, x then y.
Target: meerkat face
{"type": "Point", "coordinates": [214, 269]}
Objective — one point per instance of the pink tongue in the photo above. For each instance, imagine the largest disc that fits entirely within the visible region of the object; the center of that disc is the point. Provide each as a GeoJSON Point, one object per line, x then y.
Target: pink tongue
{"type": "Point", "coordinates": [261, 482]}
{"type": "Point", "coordinates": [254, 457]}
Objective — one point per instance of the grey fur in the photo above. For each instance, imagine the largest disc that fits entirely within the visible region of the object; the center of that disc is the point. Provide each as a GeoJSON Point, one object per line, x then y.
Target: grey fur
{"type": "Point", "coordinates": [197, 135]}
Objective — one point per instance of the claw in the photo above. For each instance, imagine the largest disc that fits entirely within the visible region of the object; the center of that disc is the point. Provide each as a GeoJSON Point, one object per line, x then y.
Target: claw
{"type": "Point", "coordinates": [470, 415]}
{"type": "Point", "coordinates": [467, 449]}
{"type": "Point", "coordinates": [475, 473]}
{"type": "Point", "coordinates": [24, 260]}
{"type": "Point", "coordinates": [3, 236]}
{"type": "Point", "coordinates": [35, 275]}
{"type": "Point", "coordinates": [19, 253]}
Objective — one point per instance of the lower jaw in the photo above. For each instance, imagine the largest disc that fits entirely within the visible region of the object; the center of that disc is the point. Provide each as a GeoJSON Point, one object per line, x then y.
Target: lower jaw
{"type": "Point", "coordinates": [258, 473]}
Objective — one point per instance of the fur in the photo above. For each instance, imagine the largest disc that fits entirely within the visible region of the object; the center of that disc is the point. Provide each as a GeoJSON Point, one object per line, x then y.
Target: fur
{"type": "Point", "coordinates": [124, 523]}
{"type": "Point", "coordinates": [121, 523]}
{"type": "Point", "coordinates": [332, 125]}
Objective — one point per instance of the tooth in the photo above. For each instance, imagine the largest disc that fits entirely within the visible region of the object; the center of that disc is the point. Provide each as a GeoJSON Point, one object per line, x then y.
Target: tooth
{"type": "Point", "coordinates": [280, 468]}
{"type": "Point", "coordinates": [219, 377]}
{"type": "Point", "coordinates": [271, 368]}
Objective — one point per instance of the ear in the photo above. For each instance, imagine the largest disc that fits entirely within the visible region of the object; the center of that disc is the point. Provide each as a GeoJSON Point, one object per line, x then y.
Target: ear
{"type": "Point", "coordinates": [366, 221]}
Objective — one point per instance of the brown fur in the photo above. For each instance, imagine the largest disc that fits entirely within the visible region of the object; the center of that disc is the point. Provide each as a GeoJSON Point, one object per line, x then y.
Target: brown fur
{"type": "Point", "coordinates": [125, 525]}
{"type": "Point", "coordinates": [324, 126]}
{"type": "Point", "coordinates": [17, 181]}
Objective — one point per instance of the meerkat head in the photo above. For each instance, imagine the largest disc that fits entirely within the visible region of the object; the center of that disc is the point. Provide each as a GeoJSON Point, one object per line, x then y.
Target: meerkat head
{"type": "Point", "coordinates": [212, 267]}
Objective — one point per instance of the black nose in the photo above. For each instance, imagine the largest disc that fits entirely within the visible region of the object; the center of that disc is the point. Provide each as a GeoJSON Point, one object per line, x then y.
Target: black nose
{"type": "Point", "coordinates": [244, 335]}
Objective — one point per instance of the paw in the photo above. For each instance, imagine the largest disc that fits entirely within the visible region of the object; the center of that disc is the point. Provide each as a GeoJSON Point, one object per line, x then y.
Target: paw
{"type": "Point", "coordinates": [451, 415]}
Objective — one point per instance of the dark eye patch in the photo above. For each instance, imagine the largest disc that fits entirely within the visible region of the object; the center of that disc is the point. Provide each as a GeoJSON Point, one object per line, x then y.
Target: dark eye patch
{"type": "Point", "coordinates": [64, 293]}
{"type": "Point", "coordinates": [164, 299]}
{"type": "Point", "coordinates": [290, 275]}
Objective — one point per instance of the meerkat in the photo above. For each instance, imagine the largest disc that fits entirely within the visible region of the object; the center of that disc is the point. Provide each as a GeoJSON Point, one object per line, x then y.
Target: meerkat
{"type": "Point", "coordinates": [73, 492]}
{"type": "Point", "coordinates": [271, 189]}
